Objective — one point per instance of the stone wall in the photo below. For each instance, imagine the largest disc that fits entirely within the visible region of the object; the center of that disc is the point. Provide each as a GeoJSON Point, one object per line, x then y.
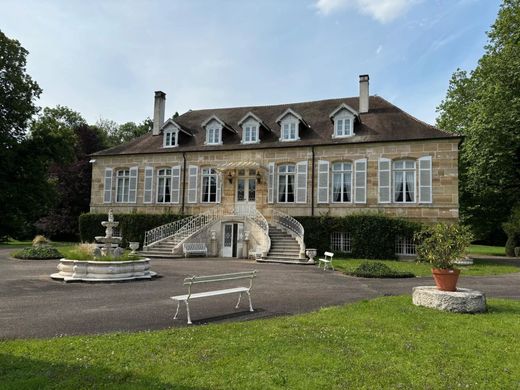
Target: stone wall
{"type": "Point", "coordinates": [444, 153]}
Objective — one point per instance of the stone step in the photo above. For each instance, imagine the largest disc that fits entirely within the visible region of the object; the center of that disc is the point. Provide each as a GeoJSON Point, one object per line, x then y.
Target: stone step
{"type": "Point", "coordinates": [284, 261]}
{"type": "Point", "coordinates": [161, 255]}
{"type": "Point", "coordinates": [283, 257]}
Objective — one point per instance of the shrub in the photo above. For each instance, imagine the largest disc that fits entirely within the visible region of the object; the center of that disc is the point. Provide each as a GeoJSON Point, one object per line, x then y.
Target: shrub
{"type": "Point", "coordinates": [512, 229]}
{"type": "Point", "coordinates": [40, 240]}
{"type": "Point", "coordinates": [376, 269]}
{"type": "Point", "coordinates": [442, 244]}
{"type": "Point", "coordinates": [132, 226]}
{"type": "Point", "coordinates": [85, 251]}
{"type": "Point", "coordinates": [38, 253]}
{"type": "Point", "coordinates": [372, 235]}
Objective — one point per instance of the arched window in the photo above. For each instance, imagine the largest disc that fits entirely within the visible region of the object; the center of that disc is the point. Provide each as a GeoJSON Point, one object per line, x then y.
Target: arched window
{"type": "Point", "coordinates": [342, 182]}
{"type": "Point", "coordinates": [286, 175]}
{"type": "Point", "coordinates": [164, 185]}
{"type": "Point", "coordinates": [404, 181]}
{"type": "Point", "coordinates": [170, 138]}
{"type": "Point", "coordinates": [122, 185]}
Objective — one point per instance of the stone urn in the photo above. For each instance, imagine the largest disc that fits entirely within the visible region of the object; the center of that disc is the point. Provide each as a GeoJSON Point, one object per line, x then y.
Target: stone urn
{"type": "Point", "coordinates": [134, 245]}
{"type": "Point", "coordinates": [311, 254]}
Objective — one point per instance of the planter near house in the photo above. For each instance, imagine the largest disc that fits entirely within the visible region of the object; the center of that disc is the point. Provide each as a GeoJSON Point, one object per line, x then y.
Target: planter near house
{"type": "Point", "coordinates": [442, 246]}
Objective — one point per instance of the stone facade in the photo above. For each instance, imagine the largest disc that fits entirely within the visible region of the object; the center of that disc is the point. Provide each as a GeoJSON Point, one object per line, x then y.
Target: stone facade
{"type": "Point", "coordinates": [444, 154]}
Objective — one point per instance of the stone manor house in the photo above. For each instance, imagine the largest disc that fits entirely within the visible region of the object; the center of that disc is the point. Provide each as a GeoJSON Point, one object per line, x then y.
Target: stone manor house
{"type": "Point", "coordinates": [242, 173]}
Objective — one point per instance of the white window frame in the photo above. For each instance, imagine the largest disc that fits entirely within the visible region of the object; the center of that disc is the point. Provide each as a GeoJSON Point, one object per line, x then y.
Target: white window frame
{"type": "Point", "coordinates": [425, 165]}
{"type": "Point", "coordinates": [171, 138]}
{"type": "Point", "coordinates": [323, 181]}
{"type": "Point", "coordinates": [251, 128]}
{"type": "Point", "coordinates": [404, 170]}
{"type": "Point", "coordinates": [286, 174]}
{"type": "Point", "coordinates": [289, 129]}
{"type": "Point", "coordinates": [125, 183]}
{"type": "Point", "coordinates": [213, 133]}
{"type": "Point", "coordinates": [340, 130]}
{"type": "Point", "coordinates": [357, 185]}
{"type": "Point", "coordinates": [208, 173]}
{"type": "Point", "coordinates": [341, 242]}
{"type": "Point", "coordinates": [148, 185]}
{"type": "Point", "coordinates": [107, 183]}
{"type": "Point", "coordinates": [342, 173]}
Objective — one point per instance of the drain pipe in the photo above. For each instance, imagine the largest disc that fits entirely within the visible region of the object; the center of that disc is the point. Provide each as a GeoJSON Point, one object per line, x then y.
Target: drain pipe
{"type": "Point", "coordinates": [312, 183]}
{"type": "Point", "coordinates": [183, 181]}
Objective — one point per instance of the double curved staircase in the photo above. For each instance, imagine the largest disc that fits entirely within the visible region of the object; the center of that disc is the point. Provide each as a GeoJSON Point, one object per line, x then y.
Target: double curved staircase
{"type": "Point", "coordinates": [283, 235]}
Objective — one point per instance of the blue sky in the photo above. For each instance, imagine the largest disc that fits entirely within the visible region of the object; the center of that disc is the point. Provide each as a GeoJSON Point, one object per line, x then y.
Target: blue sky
{"type": "Point", "coordinates": [106, 58]}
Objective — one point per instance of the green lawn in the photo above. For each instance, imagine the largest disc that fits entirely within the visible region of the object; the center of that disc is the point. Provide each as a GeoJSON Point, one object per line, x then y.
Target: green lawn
{"type": "Point", "coordinates": [479, 268]}
{"type": "Point", "coordinates": [487, 250]}
{"type": "Point", "coordinates": [382, 343]}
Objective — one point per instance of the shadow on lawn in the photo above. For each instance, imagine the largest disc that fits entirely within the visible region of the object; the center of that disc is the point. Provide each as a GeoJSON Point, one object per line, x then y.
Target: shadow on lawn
{"type": "Point", "coordinates": [26, 373]}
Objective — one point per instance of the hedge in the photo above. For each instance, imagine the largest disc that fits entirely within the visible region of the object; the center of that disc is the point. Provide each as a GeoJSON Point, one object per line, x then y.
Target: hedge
{"type": "Point", "coordinates": [132, 226]}
{"type": "Point", "coordinates": [372, 235]}
{"type": "Point", "coordinates": [375, 269]}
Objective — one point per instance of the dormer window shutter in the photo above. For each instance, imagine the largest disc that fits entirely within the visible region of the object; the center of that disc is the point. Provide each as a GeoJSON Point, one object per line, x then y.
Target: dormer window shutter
{"type": "Point", "coordinates": [301, 182]}
{"type": "Point", "coordinates": [107, 193]}
{"type": "Point", "coordinates": [148, 185]}
{"type": "Point", "coordinates": [193, 172]}
{"type": "Point", "coordinates": [323, 181]}
{"type": "Point", "coordinates": [384, 180]}
{"type": "Point", "coordinates": [270, 184]}
{"type": "Point", "coordinates": [360, 186]}
{"type": "Point", "coordinates": [425, 179]}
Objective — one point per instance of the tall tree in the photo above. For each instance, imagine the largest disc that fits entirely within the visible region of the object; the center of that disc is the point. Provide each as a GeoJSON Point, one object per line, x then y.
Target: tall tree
{"type": "Point", "coordinates": [18, 93]}
{"type": "Point", "coordinates": [118, 134]}
{"type": "Point", "coordinates": [484, 106]}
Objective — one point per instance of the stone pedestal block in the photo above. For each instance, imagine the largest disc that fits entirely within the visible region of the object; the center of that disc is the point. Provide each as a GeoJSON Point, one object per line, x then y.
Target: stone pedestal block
{"type": "Point", "coordinates": [461, 301]}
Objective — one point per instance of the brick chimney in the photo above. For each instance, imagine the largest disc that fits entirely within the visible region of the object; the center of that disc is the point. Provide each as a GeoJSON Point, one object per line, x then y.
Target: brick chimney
{"type": "Point", "coordinates": [363, 93]}
{"type": "Point", "coordinates": [158, 112]}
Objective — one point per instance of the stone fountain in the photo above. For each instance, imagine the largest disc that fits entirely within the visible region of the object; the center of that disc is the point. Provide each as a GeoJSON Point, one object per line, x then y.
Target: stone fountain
{"type": "Point", "coordinates": [108, 240]}
{"type": "Point", "coordinates": [99, 270]}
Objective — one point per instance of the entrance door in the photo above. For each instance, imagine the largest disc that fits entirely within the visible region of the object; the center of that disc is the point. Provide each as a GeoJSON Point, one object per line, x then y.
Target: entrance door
{"type": "Point", "coordinates": [246, 190]}
{"type": "Point", "coordinates": [230, 238]}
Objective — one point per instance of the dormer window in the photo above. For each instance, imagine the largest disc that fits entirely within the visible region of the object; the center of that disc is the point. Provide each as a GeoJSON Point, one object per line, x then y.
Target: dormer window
{"type": "Point", "coordinates": [171, 138]}
{"type": "Point", "coordinates": [290, 125]}
{"type": "Point", "coordinates": [213, 135]}
{"type": "Point", "coordinates": [343, 118]}
{"type": "Point", "coordinates": [250, 135]}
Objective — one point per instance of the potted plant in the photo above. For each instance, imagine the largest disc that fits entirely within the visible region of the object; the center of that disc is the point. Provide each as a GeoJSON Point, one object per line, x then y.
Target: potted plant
{"type": "Point", "coordinates": [441, 245]}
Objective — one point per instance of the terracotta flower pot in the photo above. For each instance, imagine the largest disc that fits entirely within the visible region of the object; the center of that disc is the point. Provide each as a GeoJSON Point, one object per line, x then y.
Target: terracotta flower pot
{"type": "Point", "coordinates": [446, 279]}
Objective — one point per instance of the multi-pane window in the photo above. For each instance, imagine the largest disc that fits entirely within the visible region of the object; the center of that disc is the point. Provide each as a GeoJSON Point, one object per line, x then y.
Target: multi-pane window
{"type": "Point", "coordinates": [404, 181]}
{"type": "Point", "coordinates": [164, 185]}
{"type": "Point", "coordinates": [246, 185]}
{"type": "Point", "coordinates": [122, 186]}
{"type": "Point", "coordinates": [341, 242]}
{"type": "Point", "coordinates": [289, 131]}
{"type": "Point", "coordinates": [286, 175]}
{"type": "Point", "coordinates": [250, 134]}
{"type": "Point", "coordinates": [170, 139]}
{"type": "Point", "coordinates": [342, 182]}
{"type": "Point", "coordinates": [343, 127]}
{"type": "Point", "coordinates": [209, 185]}
{"type": "Point", "coordinates": [213, 136]}
{"type": "Point", "coordinates": [405, 246]}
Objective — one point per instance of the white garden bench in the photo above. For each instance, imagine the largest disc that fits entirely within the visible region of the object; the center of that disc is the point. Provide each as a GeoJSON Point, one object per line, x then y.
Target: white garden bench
{"type": "Point", "coordinates": [327, 261]}
{"type": "Point", "coordinates": [196, 248]}
{"type": "Point", "coordinates": [215, 279]}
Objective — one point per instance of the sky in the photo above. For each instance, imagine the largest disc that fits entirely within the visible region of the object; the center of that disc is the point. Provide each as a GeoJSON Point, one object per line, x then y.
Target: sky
{"type": "Point", "coordinates": [105, 59]}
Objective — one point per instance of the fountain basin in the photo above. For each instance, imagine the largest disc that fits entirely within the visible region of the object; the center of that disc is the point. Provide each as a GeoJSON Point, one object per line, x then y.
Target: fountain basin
{"type": "Point", "coordinates": [111, 240]}
{"type": "Point", "coordinates": [103, 271]}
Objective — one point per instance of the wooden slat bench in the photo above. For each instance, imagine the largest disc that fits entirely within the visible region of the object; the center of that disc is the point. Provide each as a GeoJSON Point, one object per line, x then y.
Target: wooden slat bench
{"type": "Point", "coordinates": [206, 294]}
{"type": "Point", "coordinates": [194, 248]}
{"type": "Point", "coordinates": [327, 261]}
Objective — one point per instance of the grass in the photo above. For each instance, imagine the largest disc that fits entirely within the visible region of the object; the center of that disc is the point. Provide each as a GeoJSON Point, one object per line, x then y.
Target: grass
{"type": "Point", "coordinates": [479, 268]}
{"type": "Point", "coordinates": [487, 250]}
{"type": "Point", "coordinates": [382, 343]}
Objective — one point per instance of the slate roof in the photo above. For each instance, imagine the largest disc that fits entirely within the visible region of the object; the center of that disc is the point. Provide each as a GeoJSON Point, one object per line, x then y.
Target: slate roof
{"type": "Point", "coordinates": [383, 123]}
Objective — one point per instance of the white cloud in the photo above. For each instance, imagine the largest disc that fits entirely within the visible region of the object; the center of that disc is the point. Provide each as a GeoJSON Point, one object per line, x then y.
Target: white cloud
{"type": "Point", "coordinates": [383, 11]}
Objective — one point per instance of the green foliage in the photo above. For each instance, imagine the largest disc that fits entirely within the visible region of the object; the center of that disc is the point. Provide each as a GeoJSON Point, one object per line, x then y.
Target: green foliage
{"type": "Point", "coordinates": [132, 226]}
{"type": "Point", "coordinates": [512, 229]}
{"type": "Point", "coordinates": [484, 106]}
{"type": "Point", "coordinates": [376, 269]}
{"type": "Point", "coordinates": [78, 252]}
{"type": "Point", "coordinates": [384, 343]}
{"type": "Point", "coordinates": [442, 244]}
{"type": "Point", "coordinates": [373, 235]}
{"type": "Point", "coordinates": [38, 253]}
{"type": "Point", "coordinates": [118, 134]}
{"type": "Point", "coordinates": [40, 240]}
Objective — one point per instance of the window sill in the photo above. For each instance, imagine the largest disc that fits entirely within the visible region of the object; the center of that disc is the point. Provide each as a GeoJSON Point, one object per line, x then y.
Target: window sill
{"type": "Point", "coordinates": [288, 140]}
{"type": "Point", "coordinates": [334, 136]}
{"type": "Point", "coordinates": [169, 147]}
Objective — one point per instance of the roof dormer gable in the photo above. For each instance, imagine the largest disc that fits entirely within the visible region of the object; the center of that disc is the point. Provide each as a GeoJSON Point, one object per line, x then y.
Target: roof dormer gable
{"type": "Point", "coordinates": [214, 127]}
{"type": "Point", "coordinates": [343, 118]}
{"type": "Point", "coordinates": [170, 130]}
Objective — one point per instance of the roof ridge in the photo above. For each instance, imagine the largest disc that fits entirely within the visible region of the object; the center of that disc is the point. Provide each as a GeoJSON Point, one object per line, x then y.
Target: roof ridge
{"type": "Point", "coordinates": [272, 105]}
